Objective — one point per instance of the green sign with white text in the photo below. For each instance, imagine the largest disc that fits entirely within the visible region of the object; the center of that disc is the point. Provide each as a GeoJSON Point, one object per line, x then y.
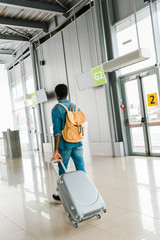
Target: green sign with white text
{"type": "Point", "coordinates": [98, 76]}
{"type": "Point", "coordinates": [34, 98]}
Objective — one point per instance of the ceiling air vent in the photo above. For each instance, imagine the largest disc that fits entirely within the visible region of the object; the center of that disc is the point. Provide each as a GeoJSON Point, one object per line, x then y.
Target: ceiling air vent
{"type": "Point", "coordinates": [131, 58]}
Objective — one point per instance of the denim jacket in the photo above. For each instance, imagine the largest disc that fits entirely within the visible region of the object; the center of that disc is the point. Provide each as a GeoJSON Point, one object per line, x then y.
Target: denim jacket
{"type": "Point", "coordinates": [58, 120]}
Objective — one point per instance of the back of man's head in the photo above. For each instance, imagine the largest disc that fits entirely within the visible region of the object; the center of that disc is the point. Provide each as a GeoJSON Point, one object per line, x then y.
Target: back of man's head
{"type": "Point", "coordinates": [61, 91]}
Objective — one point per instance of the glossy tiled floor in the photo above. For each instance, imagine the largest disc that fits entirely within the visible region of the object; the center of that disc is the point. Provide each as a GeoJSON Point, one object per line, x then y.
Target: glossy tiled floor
{"type": "Point", "coordinates": [130, 187]}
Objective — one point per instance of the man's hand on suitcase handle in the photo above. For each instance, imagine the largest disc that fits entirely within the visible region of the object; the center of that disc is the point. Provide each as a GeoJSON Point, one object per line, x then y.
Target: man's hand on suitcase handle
{"type": "Point", "coordinates": [57, 156]}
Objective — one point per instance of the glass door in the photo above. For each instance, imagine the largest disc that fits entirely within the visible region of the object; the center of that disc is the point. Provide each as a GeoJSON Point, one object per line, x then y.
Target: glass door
{"type": "Point", "coordinates": [152, 111]}
{"type": "Point", "coordinates": [134, 115]}
{"type": "Point", "coordinates": [142, 113]}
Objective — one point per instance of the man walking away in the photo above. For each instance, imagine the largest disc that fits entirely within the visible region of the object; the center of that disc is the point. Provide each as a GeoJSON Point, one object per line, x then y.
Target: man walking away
{"type": "Point", "coordinates": [62, 148]}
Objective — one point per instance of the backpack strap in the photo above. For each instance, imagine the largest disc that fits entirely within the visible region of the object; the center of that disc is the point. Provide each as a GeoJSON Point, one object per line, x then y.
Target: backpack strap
{"type": "Point", "coordinates": [70, 114]}
{"type": "Point", "coordinates": [63, 106]}
{"type": "Point", "coordinates": [76, 109]}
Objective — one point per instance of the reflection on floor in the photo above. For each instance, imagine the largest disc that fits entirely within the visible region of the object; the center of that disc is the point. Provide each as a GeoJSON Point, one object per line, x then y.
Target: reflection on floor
{"type": "Point", "coordinates": [130, 187]}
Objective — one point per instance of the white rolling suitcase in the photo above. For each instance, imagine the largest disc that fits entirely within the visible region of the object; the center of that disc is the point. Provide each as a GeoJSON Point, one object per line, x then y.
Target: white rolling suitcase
{"type": "Point", "coordinates": [79, 196]}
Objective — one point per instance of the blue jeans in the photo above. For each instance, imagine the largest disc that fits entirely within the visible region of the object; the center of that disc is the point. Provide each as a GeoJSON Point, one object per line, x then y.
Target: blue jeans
{"type": "Point", "coordinates": [76, 154]}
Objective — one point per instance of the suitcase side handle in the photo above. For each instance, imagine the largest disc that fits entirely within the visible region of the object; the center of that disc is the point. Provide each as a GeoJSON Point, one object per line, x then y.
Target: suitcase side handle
{"type": "Point", "coordinates": [55, 161]}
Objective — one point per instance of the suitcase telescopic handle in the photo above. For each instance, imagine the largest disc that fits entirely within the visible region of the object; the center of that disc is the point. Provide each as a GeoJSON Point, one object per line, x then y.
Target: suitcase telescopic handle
{"type": "Point", "coordinates": [55, 161]}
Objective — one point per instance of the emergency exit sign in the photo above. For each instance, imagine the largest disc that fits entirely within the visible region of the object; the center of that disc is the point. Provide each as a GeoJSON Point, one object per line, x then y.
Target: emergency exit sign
{"type": "Point", "coordinates": [98, 76]}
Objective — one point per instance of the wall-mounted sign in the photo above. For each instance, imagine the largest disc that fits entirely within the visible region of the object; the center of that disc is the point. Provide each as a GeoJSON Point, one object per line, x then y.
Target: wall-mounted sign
{"type": "Point", "coordinates": [39, 96]}
{"type": "Point", "coordinates": [152, 99]}
{"type": "Point", "coordinates": [98, 76]}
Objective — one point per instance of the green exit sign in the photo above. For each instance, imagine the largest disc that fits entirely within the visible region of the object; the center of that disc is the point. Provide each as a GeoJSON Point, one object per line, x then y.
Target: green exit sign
{"type": "Point", "coordinates": [34, 98]}
{"type": "Point", "coordinates": [98, 76]}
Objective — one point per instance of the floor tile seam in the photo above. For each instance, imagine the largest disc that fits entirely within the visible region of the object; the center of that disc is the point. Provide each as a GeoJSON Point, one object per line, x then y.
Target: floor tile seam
{"type": "Point", "coordinates": [41, 204]}
{"type": "Point", "coordinates": [157, 218]}
{"type": "Point", "coordinates": [128, 209]}
{"type": "Point", "coordinates": [81, 231]}
{"type": "Point", "coordinates": [50, 207]}
{"type": "Point", "coordinates": [4, 235]}
{"type": "Point", "coordinates": [55, 208]}
{"type": "Point", "coordinates": [128, 212]}
{"type": "Point", "coordinates": [141, 238]}
{"type": "Point", "coordinates": [149, 235]}
{"type": "Point", "coordinates": [31, 234]}
{"type": "Point", "coordinates": [27, 226]}
{"type": "Point", "coordinates": [123, 208]}
{"type": "Point", "coordinates": [120, 189]}
{"type": "Point", "coordinates": [70, 234]}
{"type": "Point", "coordinates": [116, 189]}
{"type": "Point", "coordinates": [19, 194]}
{"type": "Point", "coordinates": [134, 211]}
{"type": "Point", "coordinates": [9, 191]}
{"type": "Point", "coordinates": [112, 218]}
{"type": "Point", "coordinates": [147, 216]}
{"type": "Point", "coordinates": [21, 228]}
{"type": "Point", "coordinates": [119, 238]}
{"type": "Point", "coordinates": [151, 202]}
{"type": "Point", "coordinates": [114, 205]}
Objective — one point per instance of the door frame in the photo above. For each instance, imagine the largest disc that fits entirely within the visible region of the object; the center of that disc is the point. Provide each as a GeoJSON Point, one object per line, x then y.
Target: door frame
{"type": "Point", "coordinates": [35, 133]}
{"type": "Point", "coordinates": [124, 115]}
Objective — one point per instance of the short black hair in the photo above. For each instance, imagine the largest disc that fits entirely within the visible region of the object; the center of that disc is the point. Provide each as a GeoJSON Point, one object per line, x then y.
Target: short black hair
{"type": "Point", "coordinates": [61, 90]}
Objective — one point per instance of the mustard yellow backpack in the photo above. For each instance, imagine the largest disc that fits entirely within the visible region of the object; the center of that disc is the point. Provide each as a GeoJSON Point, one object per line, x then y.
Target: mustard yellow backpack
{"type": "Point", "coordinates": [73, 131]}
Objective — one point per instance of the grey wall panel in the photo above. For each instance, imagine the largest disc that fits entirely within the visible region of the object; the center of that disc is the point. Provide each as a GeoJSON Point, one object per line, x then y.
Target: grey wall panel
{"type": "Point", "coordinates": [84, 43]}
{"type": "Point", "coordinates": [17, 70]}
{"type": "Point", "coordinates": [92, 40]}
{"type": "Point", "coordinates": [54, 68]}
{"type": "Point", "coordinates": [60, 59]}
{"type": "Point", "coordinates": [102, 112]}
{"type": "Point", "coordinates": [50, 71]}
{"type": "Point", "coordinates": [85, 99]}
{"type": "Point", "coordinates": [92, 101]}
{"type": "Point", "coordinates": [53, 72]}
{"type": "Point", "coordinates": [40, 68]}
{"type": "Point", "coordinates": [121, 8]}
{"type": "Point", "coordinates": [72, 62]}
{"type": "Point", "coordinates": [74, 47]}
{"type": "Point", "coordinates": [47, 115]}
{"type": "Point", "coordinates": [28, 66]}
{"type": "Point", "coordinates": [87, 103]}
{"type": "Point", "coordinates": [98, 46]}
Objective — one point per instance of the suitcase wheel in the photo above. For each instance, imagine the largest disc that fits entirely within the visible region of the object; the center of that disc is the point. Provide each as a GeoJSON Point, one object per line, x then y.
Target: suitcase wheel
{"type": "Point", "coordinates": [75, 224]}
{"type": "Point", "coordinates": [104, 210]}
{"type": "Point", "coordinates": [98, 216]}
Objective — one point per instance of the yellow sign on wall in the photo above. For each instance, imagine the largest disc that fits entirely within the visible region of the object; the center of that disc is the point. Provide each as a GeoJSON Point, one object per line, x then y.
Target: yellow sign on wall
{"type": "Point", "coordinates": [152, 99]}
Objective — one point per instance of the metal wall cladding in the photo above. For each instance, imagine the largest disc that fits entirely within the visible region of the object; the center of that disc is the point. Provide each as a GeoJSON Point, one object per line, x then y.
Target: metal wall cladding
{"type": "Point", "coordinates": [52, 72]}
{"type": "Point", "coordinates": [21, 71]}
{"type": "Point", "coordinates": [80, 60]}
{"type": "Point", "coordinates": [27, 67]}
{"type": "Point", "coordinates": [81, 52]}
{"type": "Point", "coordinates": [122, 9]}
